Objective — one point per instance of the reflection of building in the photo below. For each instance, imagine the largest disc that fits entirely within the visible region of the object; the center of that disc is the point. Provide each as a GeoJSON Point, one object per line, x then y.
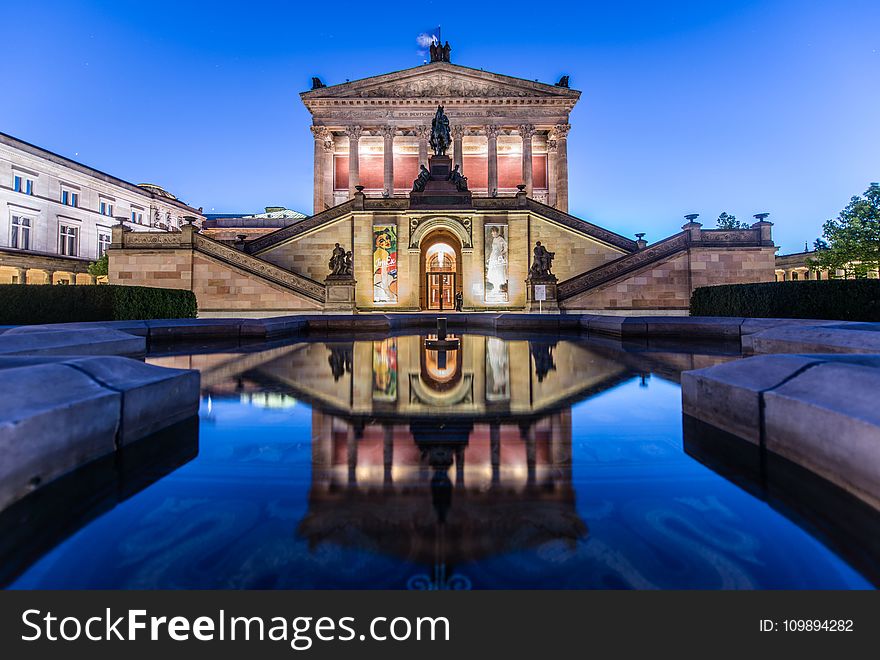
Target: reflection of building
{"type": "Point", "coordinates": [56, 214]}
{"type": "Point", "coordinates": [510, 139]}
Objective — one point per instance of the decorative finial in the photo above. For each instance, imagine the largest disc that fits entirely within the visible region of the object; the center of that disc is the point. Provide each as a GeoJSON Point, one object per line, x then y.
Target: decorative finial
{"type": "Point", "coordinates": [691, 217]}
{"type": "Point", "coordinates": [760, 217]}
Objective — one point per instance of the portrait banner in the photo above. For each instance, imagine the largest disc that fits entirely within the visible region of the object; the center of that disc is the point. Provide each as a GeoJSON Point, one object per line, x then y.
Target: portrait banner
{"type": "Point", "coordinates": [496, 271]}
{"type": "Point", "coordinates": [385, 263]}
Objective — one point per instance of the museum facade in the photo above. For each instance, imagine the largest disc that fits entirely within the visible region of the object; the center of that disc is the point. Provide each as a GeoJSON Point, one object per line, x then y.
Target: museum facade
{"type": "Point", "coordinates": [442, 187]}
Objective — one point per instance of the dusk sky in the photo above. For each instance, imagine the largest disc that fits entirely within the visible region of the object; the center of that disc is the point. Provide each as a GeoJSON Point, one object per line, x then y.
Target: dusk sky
{"type": "Point", "coordinates": [734, 106]}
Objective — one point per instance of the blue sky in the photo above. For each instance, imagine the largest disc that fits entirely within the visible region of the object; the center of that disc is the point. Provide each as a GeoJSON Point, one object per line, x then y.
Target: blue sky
{"type": "Point", "coordinates": [736, 106]}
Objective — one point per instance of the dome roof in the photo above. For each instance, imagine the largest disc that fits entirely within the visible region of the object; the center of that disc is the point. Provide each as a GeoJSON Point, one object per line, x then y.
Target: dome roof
{"type": "Point", "coordinates": [157, 190]}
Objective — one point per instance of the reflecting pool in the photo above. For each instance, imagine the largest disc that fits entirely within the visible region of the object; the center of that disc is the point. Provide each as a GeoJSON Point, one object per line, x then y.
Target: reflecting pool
{"type": "Point", "coordinates": [506, 462]}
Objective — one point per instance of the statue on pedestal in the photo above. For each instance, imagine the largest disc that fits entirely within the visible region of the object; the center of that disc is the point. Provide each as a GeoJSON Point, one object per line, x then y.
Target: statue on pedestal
{"type": "Point", "coordinates": [423, 178]}
{"type": "Point", "coordinates": [337, 261]}
{"type": "Point", "coordinates": [349, 264]}
{"type": "Point", "coordinates": [440, 137]}
{"type": "Point", "coordinates": [542, 263]}
{"type": "Point", "coordinates": [459, 180]}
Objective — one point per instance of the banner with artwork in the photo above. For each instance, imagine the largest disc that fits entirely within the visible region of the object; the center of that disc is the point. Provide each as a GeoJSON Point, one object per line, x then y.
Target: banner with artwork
{"type": "Point", "coordinates": [385, 263]}
{"type": "Point", "coordinates": [385, 370]}
{"type": "Point", "coordinates": [495, 243]}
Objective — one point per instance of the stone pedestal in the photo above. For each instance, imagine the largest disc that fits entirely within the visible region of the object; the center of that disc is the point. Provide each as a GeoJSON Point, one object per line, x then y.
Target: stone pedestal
{"type": "Point", "coordinates": [534, 287]}
{"type": "Point", "coordinates": [340, 294]}
{"type": "Point", "coordinates": [439, 190]}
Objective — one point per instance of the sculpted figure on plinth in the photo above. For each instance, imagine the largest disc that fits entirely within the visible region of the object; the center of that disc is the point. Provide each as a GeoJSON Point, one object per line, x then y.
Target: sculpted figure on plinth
{"type": "Point", "coordinates": [460, 181]}
{"type": "Point", "coordinates": [337, 261]}
{"type": "Point", "coordinates": [542, 263]}
{"type": "Point", "coordinates": [440, 137]}
{"type": "Point", "coordinates": [423, 178]}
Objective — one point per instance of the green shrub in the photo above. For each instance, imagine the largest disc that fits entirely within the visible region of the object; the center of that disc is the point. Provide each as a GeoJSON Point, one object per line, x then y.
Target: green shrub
{"type": "Point", "coordinates": [22, 304]}
{"type": "Point", "coordinates": [844, 300]}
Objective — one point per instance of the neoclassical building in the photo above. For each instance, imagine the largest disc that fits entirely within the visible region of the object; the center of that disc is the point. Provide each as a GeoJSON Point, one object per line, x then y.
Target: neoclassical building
{"type": "Point", "coordinates": [56, 214]}
{"type": "Point", "coordinates": [498, 238]}
{"type": "Point", "coordinates": [506, 132]}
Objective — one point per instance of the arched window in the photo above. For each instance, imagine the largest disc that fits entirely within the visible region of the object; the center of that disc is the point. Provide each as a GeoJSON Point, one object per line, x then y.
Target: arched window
{"type": "Point", "coordinates": [440, 259]}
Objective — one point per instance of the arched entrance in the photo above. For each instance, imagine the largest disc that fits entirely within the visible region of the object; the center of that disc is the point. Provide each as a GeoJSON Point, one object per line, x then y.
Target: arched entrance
{"type": "Point", "coordinates": [440, 268]}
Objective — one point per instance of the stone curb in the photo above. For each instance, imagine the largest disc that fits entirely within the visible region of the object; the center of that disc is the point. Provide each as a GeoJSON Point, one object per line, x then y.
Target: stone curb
{"type": "Point", "coordinates": [818, 411]}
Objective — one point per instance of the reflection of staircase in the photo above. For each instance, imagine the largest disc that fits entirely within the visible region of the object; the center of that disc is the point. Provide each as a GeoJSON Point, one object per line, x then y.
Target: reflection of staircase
{"type": "Point", "coordinates": [298, 284]}
{"type": "Point", "coordinates": [623, 266]}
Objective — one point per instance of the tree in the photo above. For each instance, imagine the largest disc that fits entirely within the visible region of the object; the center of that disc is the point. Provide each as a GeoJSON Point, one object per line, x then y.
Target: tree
{"type": "Point", "coordinates": [726, 221]}
{"type": "Point", "coordinates": [853, 237]}
{"type": "Point", "coordinates": [820, 244]}
{"type": "Point", "coordinates": [100, 267]}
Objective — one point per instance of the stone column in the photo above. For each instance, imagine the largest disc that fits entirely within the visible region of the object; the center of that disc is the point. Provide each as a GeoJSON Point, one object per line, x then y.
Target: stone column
{"type": "Point", "coordinates": [551, 173]}
{"type": "Point", "coordinates": [560, 134]}
{"type": "Point", "coordinates": [526, 131]}
{"type": "Point", "coordinates": [328, 171]}
{"type": "Point", "coordinates": [22, 275]}
{"type": "Point", "coordinates": [422, 132]}
{"type": "Point", "coordinates": [320, 134]}
{"type": "Point", "coordinates": [457, 135]}
{"type": "Point", "coordinates": [73, 278]}
{"type": "Point", "coordinates": [388, 155]}
{"type": "Point", "coordinates": [354, 170]}
{"type": "Point", "coordinates": [492, 158]}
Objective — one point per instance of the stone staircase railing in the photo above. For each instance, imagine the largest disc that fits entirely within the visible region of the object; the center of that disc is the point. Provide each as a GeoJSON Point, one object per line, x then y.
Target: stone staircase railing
{"type": "Point", "coordinates": [187, 238]}
{"type": "Point", "coordinates": [291, 231]}
{"type": "Point", "coordinates": [626, 264]}
{"type": "Point", "coordinates": [299, 283]}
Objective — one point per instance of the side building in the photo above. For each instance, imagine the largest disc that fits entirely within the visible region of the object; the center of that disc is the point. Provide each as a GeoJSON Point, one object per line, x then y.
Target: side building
{"type": "Point", "coordinates": [56, 214]}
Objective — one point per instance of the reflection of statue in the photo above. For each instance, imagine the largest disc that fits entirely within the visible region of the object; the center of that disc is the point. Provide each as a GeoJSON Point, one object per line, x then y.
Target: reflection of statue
{"type": "Point", "coordinates": [440, 138]}
{"type": "Point", "coordinates": [459, 180]}
{"type": "Point", "coordinates": [349, 263]}
{"type": "Point", "coordinates": [337, 261]}
{"type": "Point", "coordinates": [496, 263]}
{"type": "Point", "coordinates": [459, 301]}
{"type": "Point", "coordinates": [340, 360]}
{"type": "Point", "coordinates": [423, 178]}
{"type": "Point", "coordinates": [542, 353]}
{"type": "Point", "coordinates": [542, 262]}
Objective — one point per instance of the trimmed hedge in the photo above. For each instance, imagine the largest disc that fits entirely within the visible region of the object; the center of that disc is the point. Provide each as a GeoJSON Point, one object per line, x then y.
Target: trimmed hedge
{"type": "Point", "coordinates": [843, 300]}
{"type": "Point", "coordinates": [23, 304]}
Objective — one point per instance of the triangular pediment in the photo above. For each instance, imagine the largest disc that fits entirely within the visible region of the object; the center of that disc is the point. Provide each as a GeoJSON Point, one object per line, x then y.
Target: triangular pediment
{"type": "Point", "coordinates": [440, 80]}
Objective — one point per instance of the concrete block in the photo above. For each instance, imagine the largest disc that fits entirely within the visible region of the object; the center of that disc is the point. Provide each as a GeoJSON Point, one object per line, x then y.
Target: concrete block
{"type": "Point", "coordinates": [278, 326]}
{"type": "Point", "coordinates": [703, 327]}
{"type": "Point", "coordinates": [827, 420]}
{"type": "Point", "coordinates": [728, 395]}
{"type": "Point", "coordinates": [809, 339]}
{"type": "Point", "coordinates": [152, 397]}
{"type": "Point", "coordinates": [53, 421]}
{"type": "Point", "coordinates": [175, 328]}
{"type": "Point", "coordinates": [93, 341]}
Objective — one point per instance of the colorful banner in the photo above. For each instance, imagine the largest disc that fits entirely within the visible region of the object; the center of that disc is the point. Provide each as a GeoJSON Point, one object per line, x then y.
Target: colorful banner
{"type": "Point", "coordinates": [385, 370]}
{"type": "Point", "coordinates": [495, 242]}
{"type": "Point", "coordinates": [385, 263]}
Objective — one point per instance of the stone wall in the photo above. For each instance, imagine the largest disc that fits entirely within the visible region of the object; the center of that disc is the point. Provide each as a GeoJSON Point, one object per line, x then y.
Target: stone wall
{"type": "Point", "coordinates": [668, 284]}
{"type": "Point", "coordinates": [575, 253]}
{"type": "Point", "coordinates": [219, 286]}
{"type": "Point", "coordinates": [309, 254]}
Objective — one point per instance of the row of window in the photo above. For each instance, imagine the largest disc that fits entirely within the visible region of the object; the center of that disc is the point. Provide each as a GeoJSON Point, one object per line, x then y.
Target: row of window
{"type": "Point", "coordinates": [68, 237]}
{"type": "Point", "coordinates": [25, 185]}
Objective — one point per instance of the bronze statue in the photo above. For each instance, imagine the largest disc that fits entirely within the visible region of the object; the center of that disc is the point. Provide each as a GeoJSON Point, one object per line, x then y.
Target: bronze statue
{"type": "Point", "coordinates": [563, 82]}
{"type": "Point", "coordinates": [423, 178]}
{"type": "Point", "coordinates": [459, 180]}
{"type": "Point", "coordinates": [440, 137]}
{"type": "Point", "coordinates": [542, 262]}
{"type": "Point", "coordinates": [349, 264]}
{"type": "Point", "coordinates": [316, 83]}
{"type": "Point", "coordinates": [337, 261]}
{"type": "Point", "coordinates": [440, 53]}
